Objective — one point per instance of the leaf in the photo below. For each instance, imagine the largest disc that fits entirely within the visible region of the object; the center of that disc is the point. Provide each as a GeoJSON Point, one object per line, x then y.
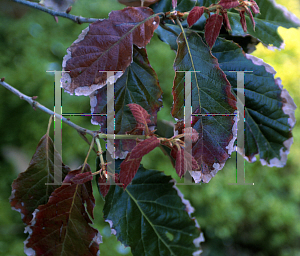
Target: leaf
{"type": "Point", "coordinates": [194, 15]}
{"type": "Point", "coordinates": [101, 44]}
{"type": "Point", "coordinates": [243, 21]}
{"type": "Point", "coordinates": [254, 7]}
{"type": "Point", "coordinates": [132, 162]}
{"type": "Point", "coordinates": [29, 189]}
{"type": "Point", "coordinates": [63, 225]}
{"type": "Point", "coordinates": [82, 178]}
{"type": "Point", "coordinates": [141, 116]}
{"type": "Point", "coordinates": [270, 118]}
{"type": "Point", "coordinates": [226, 21]}
{"type": "Point", "coordinates": [215, 131]}
{"type": "Point", "coordinates": [272, 15]}
{"type": "Point", "coordinates": [227, 4]}
{"type": "Point", "coordinates": [137, 3]}
{"type": "Point", "coordinates": [152, 217]}
{"type": "Point", "coordinates": [212, 28]}
{"type": "Point", "coordinates": [57, 5]}
{"type": "Point", "coordinates": [269, 109]}
{"type": "Point", "coordinates": [184, 161]}
{"type": "Point", "coordinates": [139, 84]}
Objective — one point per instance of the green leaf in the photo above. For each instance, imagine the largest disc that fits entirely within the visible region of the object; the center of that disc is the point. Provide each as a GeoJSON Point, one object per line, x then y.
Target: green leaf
{"type": "Point", "coordinates": [29, 189]}
{"type": "Point", "coordinates": [139, 84]}
{"type": "Point", "coordinates": [152, 217]}
{"type": "Point", "coordinates": [269, 110]}
{"type": "Point", "coordinates": [267, 22]}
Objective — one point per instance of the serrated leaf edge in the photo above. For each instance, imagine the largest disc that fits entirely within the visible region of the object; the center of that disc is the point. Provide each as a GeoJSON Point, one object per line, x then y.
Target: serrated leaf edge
{"type": "Point", "coordinates": [190, 209]}
{"type": "Point", "coordinates": [288, 108]}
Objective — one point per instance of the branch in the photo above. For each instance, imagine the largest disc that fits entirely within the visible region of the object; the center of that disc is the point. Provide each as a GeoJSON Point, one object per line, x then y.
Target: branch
{"type": "Point", "coordinates": [35, 104]}
{"type": "Point", "coordinates": [76, 19]}
{"type": "Point", "coordinates": [80, 129]}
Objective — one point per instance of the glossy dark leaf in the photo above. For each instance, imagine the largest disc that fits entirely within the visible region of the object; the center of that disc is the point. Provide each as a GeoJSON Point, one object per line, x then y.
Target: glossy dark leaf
{"type": "Point", "coordinates": [212, 28]}
{"type": "Point", "coordinates": [269, 109]}
{"type": "Point", "coordinates": [194, 15]}
{"type": "Point", "coordinates": [139, 84]}
{"type": "Point", "coordinates": [131, 164]}
{"type": "Point", "coordinates": [152, 217]}
{"type": "Point", "coordinates": [106, 45]}
{"type": "Point", "coordinates": [29, 189]}
{"type": "Point", "coordinates": [215, 132]}
{"type": "Point", "coordinates": [63, 225]}
{"type": "Point", "coordinates": [227, 4]}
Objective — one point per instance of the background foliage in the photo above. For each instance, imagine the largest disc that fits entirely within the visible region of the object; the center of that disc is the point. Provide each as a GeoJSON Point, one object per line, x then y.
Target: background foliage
{"type": "Point", "coordinates": [236, 220]}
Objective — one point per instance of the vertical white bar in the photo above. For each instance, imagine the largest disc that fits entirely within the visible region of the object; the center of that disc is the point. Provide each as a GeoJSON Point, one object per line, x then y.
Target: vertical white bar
{"type": "Point", "coordinates": [240, 161]}
{"type": "Point", "coordinates": [187, 124]}
{"type": "Point", "coordinates": [57, 178]}
{"type": "Point", "coordinates": [110, 153]}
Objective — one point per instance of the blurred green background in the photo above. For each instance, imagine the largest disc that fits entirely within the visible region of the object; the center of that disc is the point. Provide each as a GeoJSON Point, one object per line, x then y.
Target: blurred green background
{"type": "Point", "coordinates": [260, 220]}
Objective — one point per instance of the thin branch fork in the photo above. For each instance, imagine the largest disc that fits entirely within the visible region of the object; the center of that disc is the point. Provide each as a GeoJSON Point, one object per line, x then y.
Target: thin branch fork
{"type": "Point", "coordinates": [76, 19]}
{"type": "Point", "coordinates": [82, 131]}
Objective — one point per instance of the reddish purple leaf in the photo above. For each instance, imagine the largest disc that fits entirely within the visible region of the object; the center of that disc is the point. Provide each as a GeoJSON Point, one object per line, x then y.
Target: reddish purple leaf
{"type": "Point", "coordinates": [174, 3]}
{"type": "Point", "coordinates": [254, 7]}
{"type": "Point", "coordinates": [29, 189]}
{"type": "Point", "coordinates": [144, 147]}
{"type": "Point", "coordinates": [226, 21]}
{"type": "Point", "coordinates": [251, 16]}
{"type": "Point", "coordinates": [243, 21]}
{"type": "Point", "coordinates": [183, 161]}
{"type": "Point", "coordinates": [81, 178]}
{"type": "Point", "coordinates": [132, 162]}
{"type": "Point", "coordinates": [212, 29]}
{"type": "Point", "coordinates": [128, 170]}
{"type": "Point", "coordinates": [64, 223]}
{"type": "Point", "coordinates": [227, 4]}
{"type": "Point", "coordinates": [101, 44]}
{"type": "Point", "coordinates": [141, 116]}
{"type": "Point", "coordinates": [194, 15]}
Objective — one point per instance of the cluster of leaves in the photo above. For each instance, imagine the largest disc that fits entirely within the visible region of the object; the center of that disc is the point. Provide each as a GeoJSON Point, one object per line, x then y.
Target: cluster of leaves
{"type": "Point", "coordinates": [146, 211]}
